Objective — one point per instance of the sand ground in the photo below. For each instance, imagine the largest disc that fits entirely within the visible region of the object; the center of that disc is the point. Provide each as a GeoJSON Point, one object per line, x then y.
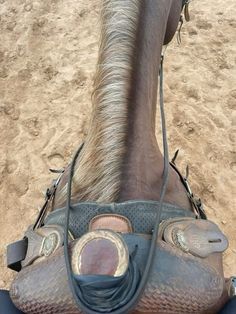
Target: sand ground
{"type": "Point", "coordinates": [48, 52]}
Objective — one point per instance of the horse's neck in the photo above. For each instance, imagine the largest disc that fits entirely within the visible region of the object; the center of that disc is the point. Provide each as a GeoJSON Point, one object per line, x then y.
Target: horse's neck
{"type": "Point", "coordinates": [143, 162]}
{"type": "Point", "coordinates": [121, 159]}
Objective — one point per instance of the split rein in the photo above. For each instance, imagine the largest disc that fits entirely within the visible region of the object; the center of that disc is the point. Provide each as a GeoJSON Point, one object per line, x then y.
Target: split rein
{"type": "Point", "coordinates": [75, 289]}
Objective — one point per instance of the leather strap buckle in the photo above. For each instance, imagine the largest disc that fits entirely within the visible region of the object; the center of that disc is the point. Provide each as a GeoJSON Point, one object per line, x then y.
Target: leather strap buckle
{"type": "Point", "coordinates": [36, 245]}
{"type": "Point", "coordinates": [232, 286]}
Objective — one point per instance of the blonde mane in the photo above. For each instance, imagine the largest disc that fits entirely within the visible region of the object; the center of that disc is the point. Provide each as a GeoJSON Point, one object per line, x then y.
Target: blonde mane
{"type": "Point", "coordinates": [98, 171]}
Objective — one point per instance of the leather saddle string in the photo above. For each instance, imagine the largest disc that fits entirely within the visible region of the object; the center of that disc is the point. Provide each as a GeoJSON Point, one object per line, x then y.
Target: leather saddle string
{"type": "Point", "coordinates": [142, 284]}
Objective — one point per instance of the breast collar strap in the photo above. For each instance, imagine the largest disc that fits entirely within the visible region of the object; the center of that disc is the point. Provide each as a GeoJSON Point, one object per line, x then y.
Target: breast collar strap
{"type": "Point", "coordinates": [195, 201]}
{"type": "Point", "coordinates": [49, 196]}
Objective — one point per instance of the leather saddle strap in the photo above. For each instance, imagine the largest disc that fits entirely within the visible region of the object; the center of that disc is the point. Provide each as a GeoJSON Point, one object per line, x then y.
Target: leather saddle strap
{"type": "Point", "coordinates": [16, 253]}
{"type": "Point", "coordinates": [196, 203]}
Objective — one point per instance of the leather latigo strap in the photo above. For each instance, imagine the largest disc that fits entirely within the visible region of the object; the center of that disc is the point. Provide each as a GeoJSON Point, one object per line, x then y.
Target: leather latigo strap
{"type": "Point", "coordinates": [16, 253]}
{"type": "Point", "coordinates": [196, 202]}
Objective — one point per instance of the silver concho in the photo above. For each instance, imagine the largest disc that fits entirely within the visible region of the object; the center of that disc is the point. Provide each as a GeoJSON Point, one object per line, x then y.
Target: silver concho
{"type": "Point", "coordinates": [179, 239]}
{"type": "Point", "coordinates": [50, 244]}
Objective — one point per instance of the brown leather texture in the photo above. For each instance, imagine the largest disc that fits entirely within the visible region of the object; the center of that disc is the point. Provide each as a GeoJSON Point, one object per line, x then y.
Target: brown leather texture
{"type": "Point", "coordinates": [42, 242]}
{"type": "Point", "coordinates": [117, 223]}
{"type": "Point", "coordinates": [196, 236]}
{"type": "Point", "coordinates": [179, 283]}
{"type": "Point", "coordinates": [100, 252]}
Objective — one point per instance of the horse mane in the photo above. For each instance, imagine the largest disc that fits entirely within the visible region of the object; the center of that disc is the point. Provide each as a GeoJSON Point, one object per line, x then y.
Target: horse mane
{"type": "Point", "coordinates": [97, 175]}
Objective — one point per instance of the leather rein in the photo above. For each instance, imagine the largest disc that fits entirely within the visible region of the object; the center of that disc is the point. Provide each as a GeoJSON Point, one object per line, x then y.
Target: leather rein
{"type": "Point", "coordinates": [75, 289]}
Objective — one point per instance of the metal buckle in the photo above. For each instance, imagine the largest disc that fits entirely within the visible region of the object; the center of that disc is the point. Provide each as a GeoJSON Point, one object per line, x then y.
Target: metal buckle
{"type": "Point", "coordinates": [232, 286]}
{"type": "Point", "coordinates": [49, 195]}
{"type": "Point", "coordinates": [197, 203]}
{"type": "Point", "coordinates": [186, 10]}
{"type": "Point", "coordinates": [188, 187]}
